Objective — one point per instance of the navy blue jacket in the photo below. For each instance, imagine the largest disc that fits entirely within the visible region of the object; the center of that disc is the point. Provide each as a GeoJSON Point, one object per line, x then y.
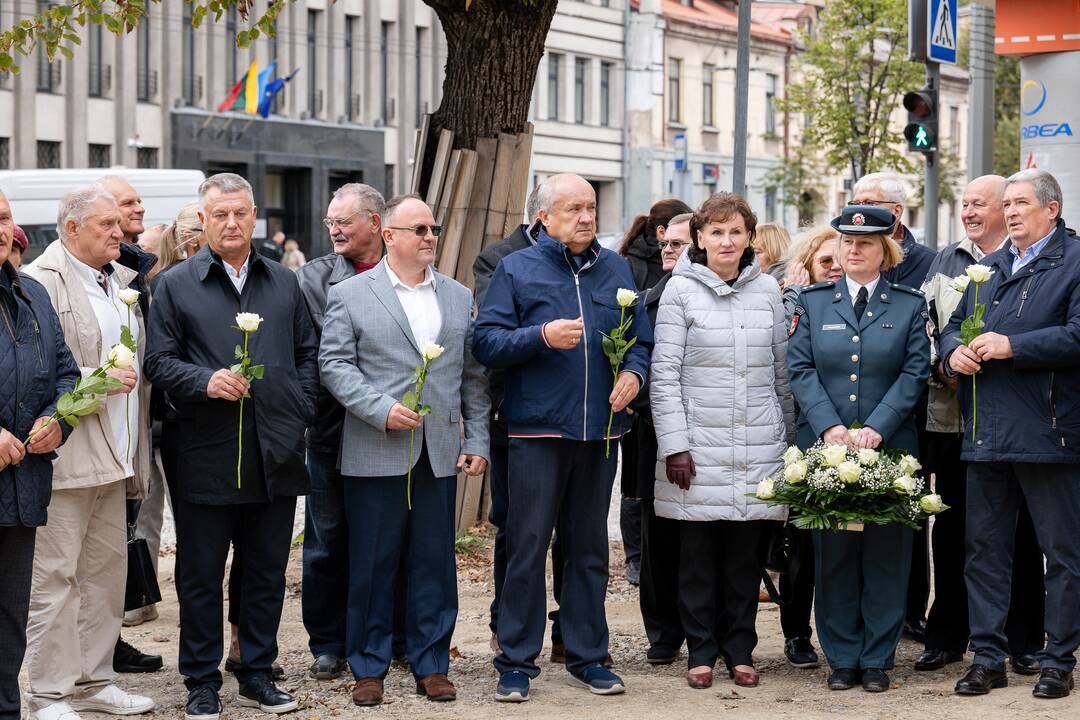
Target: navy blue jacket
{"type": "Point", "coordinates": [872, 370]}
{"type": "Point", "coordinates": [36, 368]}
{"type": "Point", "coordinates": [1028, 405]}
{"type": "Point", "coordinates": [913, 268]}
{"type": "Point", "coordinates": [548, 392]}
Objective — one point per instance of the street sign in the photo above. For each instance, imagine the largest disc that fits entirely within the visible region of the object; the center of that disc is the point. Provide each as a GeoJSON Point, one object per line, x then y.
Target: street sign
{"type": "Point", "coordinates": [941, 31]}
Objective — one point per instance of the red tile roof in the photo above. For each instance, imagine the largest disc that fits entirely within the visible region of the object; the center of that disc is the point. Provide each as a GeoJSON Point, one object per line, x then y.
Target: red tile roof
{"type": "Point", "coordinates": [765, 17]}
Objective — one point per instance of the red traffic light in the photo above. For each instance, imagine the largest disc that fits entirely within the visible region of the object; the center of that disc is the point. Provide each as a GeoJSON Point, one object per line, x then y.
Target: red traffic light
{"type": "Point", "coordinates": [919, 103]}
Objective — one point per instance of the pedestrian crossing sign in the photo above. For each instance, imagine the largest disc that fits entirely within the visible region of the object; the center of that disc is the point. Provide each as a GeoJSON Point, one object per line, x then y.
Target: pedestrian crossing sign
{"type": "Point", "coordinates": [941, 31]}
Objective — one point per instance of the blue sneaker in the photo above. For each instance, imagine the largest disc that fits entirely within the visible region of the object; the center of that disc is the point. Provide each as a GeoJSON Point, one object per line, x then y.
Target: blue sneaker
{"type": "Point", "coordinates": [599, 680]}
{"type": "Point", "coordinates": [513, 687]}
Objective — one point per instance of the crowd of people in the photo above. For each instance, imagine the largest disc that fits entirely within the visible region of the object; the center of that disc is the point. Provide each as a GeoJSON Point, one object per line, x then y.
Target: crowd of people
{"type": "Point", "coordinates": [366, 381]}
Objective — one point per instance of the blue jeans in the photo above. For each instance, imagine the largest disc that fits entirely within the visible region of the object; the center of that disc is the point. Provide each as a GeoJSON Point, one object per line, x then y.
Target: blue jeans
{"type": "Point", "coordinates": [326, 558]}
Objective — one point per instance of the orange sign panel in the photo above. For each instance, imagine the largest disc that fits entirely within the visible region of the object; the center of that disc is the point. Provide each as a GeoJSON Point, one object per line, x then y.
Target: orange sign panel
{"type": "Point", "coordinates": [1025, 27]}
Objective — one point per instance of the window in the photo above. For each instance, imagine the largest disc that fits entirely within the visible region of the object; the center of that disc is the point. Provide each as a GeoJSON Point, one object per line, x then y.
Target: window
{"type": "Point", "coordinates": [147, 79]}
{"type": "Point", "coordinates": [48, 74]}
{"type": "Point", "coordinates": [5, 153]}
{"type": "Point", "coordinates": [312, 63]}
{"type": "Point", "coordinates": [100, 156]}
{"type": "Point", "coordinates": [605, 94]}
{"type": "Point", "coordinates": [93, 51]}
{"type": "Point", "coordinates": [384, 76]}
{"type": "Point", "coordinates": [230, 48]}
{"type": "Point", "coordinates": [272, 43]}
{"type": "Point", "coordinates": [581, 65]}
{"type": "Point", "coordinates": [48, 154]}
{"type": "Point", "coordinates": [554, 83]}
{"type": "Point", "coordinates": [350, 68]}
{"type": "Point", "coordinates": [770, 104]}
{"type": "Point", "coordinates": [674, 91]}
{"type": "Point", "coordinates": [187, 50]}
{"type": "Point", "coordinates": [770, 204]}
{"type": "Point", "coordinates": [147, 157]}
{"type": "Point", "coordinates": [954, 127]}
{"type": "Point", "coordinates": [419, 74]}
{"type": "Point", "coordinates": [707, 94]}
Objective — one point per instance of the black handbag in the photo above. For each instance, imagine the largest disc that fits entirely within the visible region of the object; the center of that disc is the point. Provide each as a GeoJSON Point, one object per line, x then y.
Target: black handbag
{"type": "Point", "coordinates": [781, 556]}
{"type": "Point", "coordinates": [142, 585]}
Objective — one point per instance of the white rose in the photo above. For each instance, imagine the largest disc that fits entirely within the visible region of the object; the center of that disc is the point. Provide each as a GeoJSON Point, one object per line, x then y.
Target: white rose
{"type": "Point", "coordinates": [909, 465]}
{"type": "Point", "coordinates": [960, 283]}
{"type": "Point", "coordinates": [430, 351]}
{"type": "Point", "coordinates": [931, 504]}
{"type": "Point", "coordinates": [765, 489]}
{"type": "Point", "coordinates": [905, 484]}
{"type": "Point", "coordinates": [792, 454]}
{"type": "Point", "coordinates": [248, 322]}
{"type": "Point", "coordinates": [795, 472]}
{"type": "Point", "coordinates": [625, 297]}
{"type": "Point", "coordinates": [128, 296]}
{"type": "Point", "coordinates": [979, 273]}
{"type": "Point", "coordinates": [849, 472]}
{"type": "Point", "coordinates": [834, 455]}
{"type": "Point", "coordinates": [121, 357]}
{"type": "Point", "coordinates": [868, 457]}
{"type": "Point", "coordinates": [853, 433]}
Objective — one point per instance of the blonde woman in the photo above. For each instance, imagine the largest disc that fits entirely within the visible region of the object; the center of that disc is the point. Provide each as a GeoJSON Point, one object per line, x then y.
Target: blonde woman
{"type": "Point", "coordinates": [770, 246]}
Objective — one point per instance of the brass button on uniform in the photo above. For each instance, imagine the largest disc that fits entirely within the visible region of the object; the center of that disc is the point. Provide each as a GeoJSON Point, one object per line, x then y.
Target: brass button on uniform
{"type": "Point", "coordinates": [854, 358]}
{"type": "Point", "coordinates": [854, 338]}
{"type": "Point", "coordinates": [852, 398]}
{"type": "Point", "coordinates": [869, 313]}
{"type": "Point", "coordinates": [854, 378]}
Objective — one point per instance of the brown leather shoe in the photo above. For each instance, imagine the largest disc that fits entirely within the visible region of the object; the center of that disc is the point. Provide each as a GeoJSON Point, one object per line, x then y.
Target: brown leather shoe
{"type": "Point", "coordinates": [368, 691]}
{"type": "Point", "coordinates": [436, 687]}
{"type": "Point", "coordinates": [745, 678]}
{"type": "Point", "coordinates": [699, 680]}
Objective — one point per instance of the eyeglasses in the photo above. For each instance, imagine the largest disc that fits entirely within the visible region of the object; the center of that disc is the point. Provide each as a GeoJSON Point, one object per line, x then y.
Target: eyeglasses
{"type": "Point", "coordinates": [673, 244]}
{"type": "Point", "coordinates": [875, 203]}
{"type": "Point", "coordinates": [340, 222]}
{"type": "Point", "coordinates": [421, 230]}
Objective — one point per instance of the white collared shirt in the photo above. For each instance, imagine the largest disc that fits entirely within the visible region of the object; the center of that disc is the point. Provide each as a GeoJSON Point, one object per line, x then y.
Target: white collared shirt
{"type": "Point", "coordinates": [420, 304]}
{"type": "Point", "coordinates": [238, 277]}
{"type": "Point", "coordinates": [853, 288]}
{"type": "Point", "coordinates": [112, 314]}
{"type": "Point", "coordinates": [979, 254]}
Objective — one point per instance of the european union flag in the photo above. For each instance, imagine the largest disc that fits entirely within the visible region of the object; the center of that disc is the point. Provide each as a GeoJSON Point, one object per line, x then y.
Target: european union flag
{"type": "Point", "coordinates": [271, 90]}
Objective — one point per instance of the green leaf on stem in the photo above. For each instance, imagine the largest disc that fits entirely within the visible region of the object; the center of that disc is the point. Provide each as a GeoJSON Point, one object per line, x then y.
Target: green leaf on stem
{"type": "Point", "coordinates": [409, 400]}
{"type": "Point", "coordinates": [238, 353]}
{"type": "Point", "coordinates": [255, 372]}
{"type": "Point", "coordinates": [126, 339]}
{"type": "Point", "coordinates": [426, 410]}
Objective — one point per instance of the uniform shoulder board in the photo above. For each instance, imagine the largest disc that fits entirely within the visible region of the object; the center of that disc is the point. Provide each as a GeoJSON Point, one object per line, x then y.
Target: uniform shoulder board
{"type": "Point", "coordinates": [907, 289]}
{"type": "Point", "coordinates": [820, 285]}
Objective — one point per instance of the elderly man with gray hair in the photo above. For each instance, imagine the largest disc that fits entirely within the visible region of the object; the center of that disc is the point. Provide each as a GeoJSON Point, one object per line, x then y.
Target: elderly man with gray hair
{"type": "Point", "coordinates": [354, 220]}
{"type": "Point", "coordinates": [1022, 438]}
{"type": "Point", "coordinates": [77, 601]}
{"type": "Point", "coordinates": [240, 464]}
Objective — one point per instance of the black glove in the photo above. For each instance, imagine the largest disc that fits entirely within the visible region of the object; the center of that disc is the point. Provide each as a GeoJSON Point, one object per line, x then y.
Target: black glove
{"type": "Point", "coordinates": [680, 468]}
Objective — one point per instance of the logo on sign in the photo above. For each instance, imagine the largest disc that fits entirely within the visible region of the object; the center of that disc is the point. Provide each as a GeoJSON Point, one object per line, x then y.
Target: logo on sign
{"type": "Point", "coordinates": [1032, 97]}
{"type": "Point", "coordinates": [943, 31]}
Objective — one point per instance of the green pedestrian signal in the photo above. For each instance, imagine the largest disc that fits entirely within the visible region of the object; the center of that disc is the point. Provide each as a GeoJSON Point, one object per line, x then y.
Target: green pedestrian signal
{"type": "Point", "coordinates": [921, 130]}
{"type": "Point", "coordinates": [921, 139]}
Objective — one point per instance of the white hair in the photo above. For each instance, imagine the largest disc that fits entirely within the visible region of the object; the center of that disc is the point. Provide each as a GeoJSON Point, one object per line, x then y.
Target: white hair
{"type": "Point", "coordinates": [545, 192]}
{"type": "Point", "coordinates": [367, 198]}
{"type": "Point", "coordinates": [889, 184]}
{"type": "Point", "coordinates": [76, 206]}
{"type": "Point", "coordinates": [1047, 189]}
{"type": "Point", "coordinates": [225, 183]}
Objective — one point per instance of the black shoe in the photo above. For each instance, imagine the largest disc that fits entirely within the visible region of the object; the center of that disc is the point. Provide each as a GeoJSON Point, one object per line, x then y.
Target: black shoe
{"type": "Point", "coordinates": [843, 679]}
{"type": "Point", "coordinates": [276, 671]}
{"type": "Point", "coordinates": [633, 572]}
{"type": "Point", "coordinates": [875, 680]}
{"type": "Point", "coordinates": [127, 659]}
{"type": "Point", "coordinates": [661, 655]}
{"type": "Point", "coordinates": [1026, 664]}
{"type": "Point", "coordinates": [936, 659]}
{"type": "Point", "coordinates": [260, 692]}
{"type": "Point", "coordinates": [203, 703]}
{"type": "Point", "coordinates": [980, 680]}
{"type": "Point", "coordinates": [1053, 683]}
{"type": "Point", "coordinates": [800, 653]}
{"type": "Point", "coordinates": [327, 667]}
{"type": "Point", "coordinates": [916, 630]}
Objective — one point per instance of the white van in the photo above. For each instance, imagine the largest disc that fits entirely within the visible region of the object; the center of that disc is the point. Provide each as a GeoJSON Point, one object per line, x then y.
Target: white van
{"type": "Point", "coordinates": [35, 196]}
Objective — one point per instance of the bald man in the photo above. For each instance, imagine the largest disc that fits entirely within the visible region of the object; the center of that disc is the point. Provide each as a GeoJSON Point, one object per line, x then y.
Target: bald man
{"type": "Point", "coordinates": [947, 622]}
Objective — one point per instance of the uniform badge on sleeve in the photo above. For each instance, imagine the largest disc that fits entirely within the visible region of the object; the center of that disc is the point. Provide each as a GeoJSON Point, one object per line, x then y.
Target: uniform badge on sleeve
{"type": "Point", "coordinates": [799, 312]}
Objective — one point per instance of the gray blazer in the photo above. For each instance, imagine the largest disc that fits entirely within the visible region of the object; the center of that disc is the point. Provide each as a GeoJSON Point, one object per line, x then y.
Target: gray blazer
{"type": "Point", "coordinates": [367, 358]}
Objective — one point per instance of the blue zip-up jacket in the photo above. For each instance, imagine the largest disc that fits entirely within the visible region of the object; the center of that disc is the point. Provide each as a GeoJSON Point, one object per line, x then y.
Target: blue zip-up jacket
{"type": "Point", "coordinates": [558, 393]}
{"type": "Point", "coordinates": [1029, 405]}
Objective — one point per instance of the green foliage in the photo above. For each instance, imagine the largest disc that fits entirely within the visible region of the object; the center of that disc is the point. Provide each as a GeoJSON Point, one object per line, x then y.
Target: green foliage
{"type": "Point", "coordinates": [951, 177]}
{"type": "Point", "coordinates": [794, 177]}
{"type": "Point", "coordinates": [853, 74]}
{"type": "Point", "coordinates": [1007, 158]}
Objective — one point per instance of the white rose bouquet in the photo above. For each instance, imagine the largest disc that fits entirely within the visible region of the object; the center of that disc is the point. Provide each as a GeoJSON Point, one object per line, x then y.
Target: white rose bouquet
{"type": "Point", "coordinates": [972, 325]}
{"type": "Point", "coordinates": [246, 323]}
{"type": "Point", "coordinates": [830, 487]}
{"type": "Point", "coordinates": [429, 351]}
{"type": "Point", "coordinates": [616, 344]}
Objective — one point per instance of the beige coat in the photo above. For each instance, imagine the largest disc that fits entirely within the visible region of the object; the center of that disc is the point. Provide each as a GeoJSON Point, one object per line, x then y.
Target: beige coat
{"type": "Point", "coordinates": [89, 458]}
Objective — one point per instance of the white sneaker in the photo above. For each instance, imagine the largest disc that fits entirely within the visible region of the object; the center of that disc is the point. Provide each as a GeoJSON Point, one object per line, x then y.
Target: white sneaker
{"type": "Point", "coordinates": [114, 701]}
{"type": "Point", "coordinates": [56, 711]}
{"type": "Point", "coordinates": [140, 616]}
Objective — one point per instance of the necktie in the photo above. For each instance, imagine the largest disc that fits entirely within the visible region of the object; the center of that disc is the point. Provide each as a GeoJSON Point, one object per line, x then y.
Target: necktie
{"type": "Point", "coordinates": [103, 281]}
{"type": "Point", "coordinates": [860, 303]}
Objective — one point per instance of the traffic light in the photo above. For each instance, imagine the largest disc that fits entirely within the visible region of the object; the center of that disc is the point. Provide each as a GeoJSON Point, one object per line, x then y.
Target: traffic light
{"type": "Point", "coordinates": [921, 130]}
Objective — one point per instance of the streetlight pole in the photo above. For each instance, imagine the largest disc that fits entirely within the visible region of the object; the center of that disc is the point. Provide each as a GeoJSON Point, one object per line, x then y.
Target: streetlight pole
{"type": "Point", "coordinates": [742, 91]}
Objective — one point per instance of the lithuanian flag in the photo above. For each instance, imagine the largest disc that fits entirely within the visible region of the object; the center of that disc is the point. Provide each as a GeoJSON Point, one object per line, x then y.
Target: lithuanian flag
{"type": "Point", "coordinates": [245, 94]}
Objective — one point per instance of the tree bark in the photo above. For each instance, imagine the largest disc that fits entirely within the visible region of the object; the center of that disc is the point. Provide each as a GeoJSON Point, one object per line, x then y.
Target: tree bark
{"type": "Point", "coordinates": [493, 50]}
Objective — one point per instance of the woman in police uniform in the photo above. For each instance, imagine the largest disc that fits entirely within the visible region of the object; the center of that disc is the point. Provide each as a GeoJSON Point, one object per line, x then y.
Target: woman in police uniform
{"type": "Point", "coordinates": [859, 353]}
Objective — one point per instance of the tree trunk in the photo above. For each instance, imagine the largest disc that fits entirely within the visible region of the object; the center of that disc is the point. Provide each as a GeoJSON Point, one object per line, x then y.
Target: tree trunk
{"type": "Point", "coordinates": [493, 50]}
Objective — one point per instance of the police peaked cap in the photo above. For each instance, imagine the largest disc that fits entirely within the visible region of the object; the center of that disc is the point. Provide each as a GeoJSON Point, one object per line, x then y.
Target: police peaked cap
{"type": "Point", "coordinates": [864, 220]}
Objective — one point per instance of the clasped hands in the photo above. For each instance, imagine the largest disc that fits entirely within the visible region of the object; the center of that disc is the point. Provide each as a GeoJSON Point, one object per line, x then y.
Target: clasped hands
{"type": "Point", "coordinates": [967, 359]}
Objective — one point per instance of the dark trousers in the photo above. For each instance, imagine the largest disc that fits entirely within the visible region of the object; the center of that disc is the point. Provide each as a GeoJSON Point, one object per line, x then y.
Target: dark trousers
{"type": "Point", "coordinates": [565, 483]}
{"type": "Point", "coordinates": [17, 552]}
{"type": "Point", "coordinates": [918, 589]}
{"type": "Point", "coordinates": [386, 539]}
{"type": "Point", "coordinates": [326, 557]}
{"type": "Point", "coordinates": [720, 562]}
{"type": "Point", "coordinates": [631, 480]}
{"type": "Point", "coordinates": [861, 586]}
{"type": "Point", "coordinates": [659, 591]}
{"type": "Point", "coordinates": [1052, 492]}
{"type": "Point", "coordinates": [797, 588]}
{"type": "Point", "coordinates": [947, 621]}
{"type": "Point", "coordinates": [261, 534]}
{"type": "Point", "coordinates": [500, 501]}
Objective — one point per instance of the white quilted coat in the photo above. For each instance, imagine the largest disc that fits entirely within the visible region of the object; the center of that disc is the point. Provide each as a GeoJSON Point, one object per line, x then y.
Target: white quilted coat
{"type": "Point", "coordinates": [719, 388]}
